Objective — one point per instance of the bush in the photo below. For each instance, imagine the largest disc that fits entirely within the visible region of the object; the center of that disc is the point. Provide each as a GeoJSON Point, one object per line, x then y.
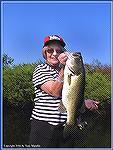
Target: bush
{"type": "Point", "coordinates": [18, 86]}
{"type": "Point", "coordinates": [98, 86]}
{"type": "Point", "coordinates": [17, 83]}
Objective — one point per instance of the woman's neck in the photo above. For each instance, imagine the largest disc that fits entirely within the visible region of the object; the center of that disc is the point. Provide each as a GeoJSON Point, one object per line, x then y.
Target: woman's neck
{"type": "Point", "coordinates": [56, 67]}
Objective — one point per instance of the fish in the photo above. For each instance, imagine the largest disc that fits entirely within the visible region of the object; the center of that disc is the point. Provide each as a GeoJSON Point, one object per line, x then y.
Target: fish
{"type": "Point", "coordinates": [73, 89]}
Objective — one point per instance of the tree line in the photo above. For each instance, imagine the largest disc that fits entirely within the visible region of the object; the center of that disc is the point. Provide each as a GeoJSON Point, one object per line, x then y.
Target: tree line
{"type": "Point", "coordinates": [18, 87]}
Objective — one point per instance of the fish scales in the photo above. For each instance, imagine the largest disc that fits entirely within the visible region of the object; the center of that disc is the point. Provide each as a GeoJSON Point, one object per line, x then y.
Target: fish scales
{"type": "Point", "coordinates": [73, 87]}
{"type": "Point", "coordinates": [74, 99]}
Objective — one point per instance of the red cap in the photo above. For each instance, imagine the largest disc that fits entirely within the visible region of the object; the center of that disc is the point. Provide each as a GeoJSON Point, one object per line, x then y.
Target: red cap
{"type": "Point", "coordinates": [47, 39]}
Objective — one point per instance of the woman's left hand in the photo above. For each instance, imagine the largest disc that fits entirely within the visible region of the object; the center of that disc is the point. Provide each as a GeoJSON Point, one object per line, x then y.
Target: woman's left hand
{"type": "Point", "coordinates": [91, 104]}
{"type": "Point", "coordinates": [62, 58]}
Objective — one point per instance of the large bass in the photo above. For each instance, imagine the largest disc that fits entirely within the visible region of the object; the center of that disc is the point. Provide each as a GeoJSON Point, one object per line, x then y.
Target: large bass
{"type": "Point", "coordinates": [73, 88]}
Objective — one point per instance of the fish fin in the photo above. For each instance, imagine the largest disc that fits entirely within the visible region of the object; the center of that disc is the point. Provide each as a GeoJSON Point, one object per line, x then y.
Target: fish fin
{"type": "Point", "coordinates": [70, 131]}
{"type": "Point", "coordinates": [81, 123]}
{"type": "Point", "coordinates": [73, 136]}
{"type": "Point", "coordinates": [61, 107]}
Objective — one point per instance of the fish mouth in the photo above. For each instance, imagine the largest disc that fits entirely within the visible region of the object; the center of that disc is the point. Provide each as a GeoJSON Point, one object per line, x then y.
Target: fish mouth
{"type": "Point", "coordinates": [73, 55]}
{"type": "Point", "coordinates": [74, 62]}
{"type": "Point", "coordinates": [76, 54]}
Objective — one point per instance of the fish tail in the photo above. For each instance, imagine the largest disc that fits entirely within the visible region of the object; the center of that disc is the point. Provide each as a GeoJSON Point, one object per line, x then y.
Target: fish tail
{"type": "Point", "coordinates": [69, 130]}
{"type": "Point", "coordinates": [72, 135]}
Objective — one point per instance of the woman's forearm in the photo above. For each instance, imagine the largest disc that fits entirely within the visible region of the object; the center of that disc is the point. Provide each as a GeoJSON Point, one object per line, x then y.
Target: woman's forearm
{"type": "Point", "coordinates": [57, 86]}
{"type": "Point", "coordinates": [54, 88]}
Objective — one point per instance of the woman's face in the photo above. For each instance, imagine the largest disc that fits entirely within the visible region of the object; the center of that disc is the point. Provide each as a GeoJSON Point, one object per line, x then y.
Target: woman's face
{"type": "Point", "coordinates": [52, 53]}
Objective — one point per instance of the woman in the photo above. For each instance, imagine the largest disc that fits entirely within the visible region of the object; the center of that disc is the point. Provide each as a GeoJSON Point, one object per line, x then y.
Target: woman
{"type": "Point", "coordinates": [46, 121]}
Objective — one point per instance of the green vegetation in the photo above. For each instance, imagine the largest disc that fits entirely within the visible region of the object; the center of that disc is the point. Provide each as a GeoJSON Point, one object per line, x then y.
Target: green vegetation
{"type": "Point", "coordinates": [98, 82]}
{"type": "Point", "coordinates": [17, 81]}
{"type": "Point", "coordinates": [18, 87]}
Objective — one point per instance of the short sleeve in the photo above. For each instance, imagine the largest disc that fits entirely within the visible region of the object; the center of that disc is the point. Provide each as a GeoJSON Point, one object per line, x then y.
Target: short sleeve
{"type": "Point", "coordinates": [41, 75]}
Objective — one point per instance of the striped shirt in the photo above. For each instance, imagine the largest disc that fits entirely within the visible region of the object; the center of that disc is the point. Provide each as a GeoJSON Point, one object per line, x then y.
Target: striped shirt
{"type": "Point", "coordinates": [45, 105]}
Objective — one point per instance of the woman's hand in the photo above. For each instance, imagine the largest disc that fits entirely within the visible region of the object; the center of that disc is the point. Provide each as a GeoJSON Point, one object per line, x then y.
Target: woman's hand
{"type": "Point", "coordinates": [62, 58]}
{"type": "Point", "coordinates": [91, 104]}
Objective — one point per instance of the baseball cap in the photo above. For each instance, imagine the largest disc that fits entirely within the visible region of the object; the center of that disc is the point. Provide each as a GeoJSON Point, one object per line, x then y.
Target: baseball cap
{"type": "Point", "coordinates": [49, 38]}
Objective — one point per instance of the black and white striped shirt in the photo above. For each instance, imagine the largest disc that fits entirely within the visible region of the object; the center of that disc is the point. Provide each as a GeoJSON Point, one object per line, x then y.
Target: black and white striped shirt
{"type": "Point", "coordinates": [45, 105]}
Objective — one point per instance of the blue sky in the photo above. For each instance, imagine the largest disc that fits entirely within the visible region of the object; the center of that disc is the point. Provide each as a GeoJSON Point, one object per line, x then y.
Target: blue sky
{"type": "Point", "coordinates": [84, 26]}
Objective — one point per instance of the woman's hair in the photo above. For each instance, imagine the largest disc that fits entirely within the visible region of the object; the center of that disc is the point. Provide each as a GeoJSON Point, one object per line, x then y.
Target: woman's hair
{"type": "Point", "coordinates": [44, 49]}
